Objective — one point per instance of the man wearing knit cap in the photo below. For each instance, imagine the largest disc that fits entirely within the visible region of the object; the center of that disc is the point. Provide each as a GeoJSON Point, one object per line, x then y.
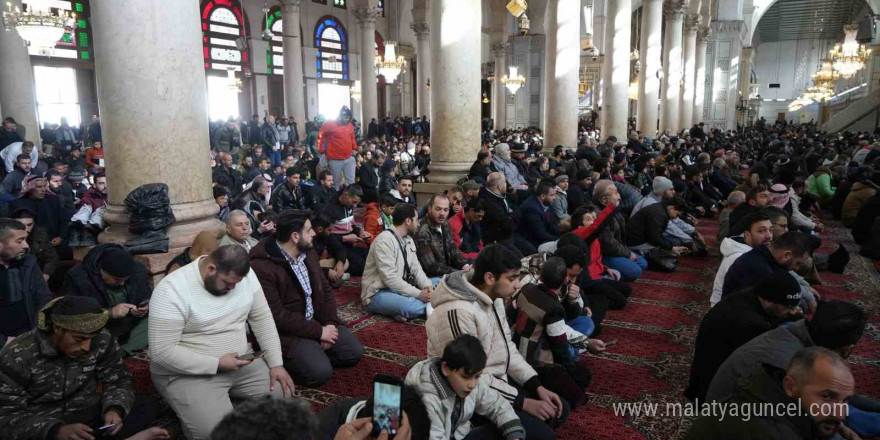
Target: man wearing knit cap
{"type": "Point", "coordinates": [677, 230]}
{"type": "Point", "coordinates": [110, 275]}
{"type": "Point", "coordinates": [560, 203]}
{"type": "Point", "coordinates": [739, 319]}
{"type": "Point", "coordinates": [70, 343]}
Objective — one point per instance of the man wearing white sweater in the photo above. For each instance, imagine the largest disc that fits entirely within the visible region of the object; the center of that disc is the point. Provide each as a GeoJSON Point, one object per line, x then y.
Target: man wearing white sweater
{"type": "Point", "coordinates": [198, 319]}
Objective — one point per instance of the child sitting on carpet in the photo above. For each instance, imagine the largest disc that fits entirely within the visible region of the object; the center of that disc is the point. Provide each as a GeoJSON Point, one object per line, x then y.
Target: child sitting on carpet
{"type": "Point", "coordinates": [453, 393]}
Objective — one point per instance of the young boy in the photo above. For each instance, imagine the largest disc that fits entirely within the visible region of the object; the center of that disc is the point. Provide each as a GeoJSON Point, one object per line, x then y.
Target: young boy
{"type": "Point", "coordinates": [452, 393]}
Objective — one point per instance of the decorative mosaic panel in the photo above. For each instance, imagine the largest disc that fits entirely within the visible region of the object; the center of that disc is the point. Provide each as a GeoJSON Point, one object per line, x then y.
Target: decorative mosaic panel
{"type": "Point", "coordinates": [724, 65]}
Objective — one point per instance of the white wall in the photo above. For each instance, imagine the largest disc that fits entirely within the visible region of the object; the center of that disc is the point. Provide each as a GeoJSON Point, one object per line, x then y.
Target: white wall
{"type": "Point", "coordinates": [791, 64]}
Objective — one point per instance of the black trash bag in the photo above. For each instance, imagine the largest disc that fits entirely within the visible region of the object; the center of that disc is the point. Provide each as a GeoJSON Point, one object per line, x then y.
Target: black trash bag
{"type": "Point", "coordinates": [149, 208]}
{"type": "Point", "coordinates": [148, 243]}
{"type": "Point", "coordinates": [661, 260]}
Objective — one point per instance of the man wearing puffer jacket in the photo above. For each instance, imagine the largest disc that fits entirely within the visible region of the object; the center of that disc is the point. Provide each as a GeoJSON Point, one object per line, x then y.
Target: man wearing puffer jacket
{"type": "Point", "coordinates": [472, 303]}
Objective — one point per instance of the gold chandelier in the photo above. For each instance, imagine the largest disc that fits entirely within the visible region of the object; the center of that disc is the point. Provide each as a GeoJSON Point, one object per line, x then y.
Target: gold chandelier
{"type": "Point", "coordinates": [513, 81]}
{"type": "Point", "coordinates": [234, 84]}
{"type": "Point", "coordinates": [38, 25]}
{"type": "Point", "coordinates": [849, 57]}
{"type": "Point", "coordinates": [390, 66]}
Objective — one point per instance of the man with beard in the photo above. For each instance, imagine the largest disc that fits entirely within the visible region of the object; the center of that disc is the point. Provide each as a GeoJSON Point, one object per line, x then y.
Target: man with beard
{"type": "Point", "coordinates": [25, 291]}
{"type": "Point", "coordinates": [536, 220]}
{"type": "Point", "coordinates": [313, 338]}
{"type": "Point", "coordinates": [759, 232]}
{"type": "Point", "coordinates": [436, 248]}
{"type": "Point", "coordinates": [50, 214]}
{"type": "Point", "coordinates": [199, 350]}
{"type": "Point", "coordinates": [786, 252]}
{"type": "Point", "coordinates": [336, 141]}
{"type": "Point", "coordinates": [11, 185]}
{"type": "Point", "coordinates": [738, 319]}
{"type": "Point", "coordinates": [818, 383]}
{"type": "Point", "coordinates": [404, 193]}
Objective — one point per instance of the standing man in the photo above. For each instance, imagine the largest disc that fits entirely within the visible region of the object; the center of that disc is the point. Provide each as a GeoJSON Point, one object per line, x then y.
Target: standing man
{"type": "Point", "coordinates": [198, 335]}
{"type": "Point", "coordinates": [228, 138]}
{"type": "Point", "coordinates": [271, 139]}
{"type": "Point", "coordinates": [25, 292]}
{"type": "Point", "coordinates": [313, 338]}
{"type": "Point", "coordinates": [436, 248]}
{"type": "Point", "coordinates": [336, 141]}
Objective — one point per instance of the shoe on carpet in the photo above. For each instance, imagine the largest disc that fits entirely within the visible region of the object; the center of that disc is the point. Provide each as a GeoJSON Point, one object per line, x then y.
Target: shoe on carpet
{"type": "Point", "coordinates": [838, 260]}
{"type": "Point", "coordinates": [398, 318]}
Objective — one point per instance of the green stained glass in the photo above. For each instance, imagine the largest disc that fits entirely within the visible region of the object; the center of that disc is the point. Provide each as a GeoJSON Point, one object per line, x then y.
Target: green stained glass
{"type": "Point", "coordinates": [79, 7]}
{"type": "Point", "coordinates": [84, 55]}
{"type": "Point", "coordinates": [67, 38]}
{"type": "Point", "coordinates": [81, 23]}
{"type": "Point", "coordinates": [270, 71]}
{"type": "Point", "coordinates": [83, 39]}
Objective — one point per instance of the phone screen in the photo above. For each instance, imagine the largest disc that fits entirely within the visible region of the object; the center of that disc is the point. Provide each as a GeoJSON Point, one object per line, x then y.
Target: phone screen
{"type": "Point", "coordinates": [386, 407]}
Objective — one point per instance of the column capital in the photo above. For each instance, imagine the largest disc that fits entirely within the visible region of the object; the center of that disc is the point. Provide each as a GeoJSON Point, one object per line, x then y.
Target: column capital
{"type": "Point", "coordinates": [289, 6]}
{"type": "Point", "coordinates": [674, 10]}
{"type": "Point", "coordinates": [703, 34]}
{"type": "Point", "coordinates": [367, 15]}
{"type": "Point", "coordinates": [498, 49]}
{"type": "Point", "coordinates": [420, 28]}
{"type": "Point", "coordinates": [692, 23]}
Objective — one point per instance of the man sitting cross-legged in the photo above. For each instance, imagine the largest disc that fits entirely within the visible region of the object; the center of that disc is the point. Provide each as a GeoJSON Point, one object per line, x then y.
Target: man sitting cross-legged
{"type": "Point", "coordinates": [313, 338]}
{"type": "Point", "coordinates": [472, 302]}
{"type": "Point", "coordinates": [198, 333]}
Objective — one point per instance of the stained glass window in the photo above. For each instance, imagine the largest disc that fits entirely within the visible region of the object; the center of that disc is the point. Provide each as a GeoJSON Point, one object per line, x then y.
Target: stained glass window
{"type": "Point", "coordinates": [382, 7]}
{"type": "Point", "coordinates": [75, 44]}
{"type": "Point", "coordinates": [339, 3]}
{"type": "Point", "coordinates": [223, 23]}
{"type": "Point", "coordinates": [332, 43]}
{"type": "Point", "coordinates": [323, 2]}
{"type": "Point", "coordinates": [274, 58]}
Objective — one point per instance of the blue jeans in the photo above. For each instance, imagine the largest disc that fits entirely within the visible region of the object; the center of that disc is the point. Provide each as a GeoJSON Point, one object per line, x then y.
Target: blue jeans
{"type": "Point", "coordinates": [629, 270]}
{"type": "Point", "coordinates": [865, 421]}
{"type": "Point", "coordinates": [582, 324]}
{"type": "Point", "coordinates": [275, 157]}
{"type": "Point", "coordinates": [390, 303]}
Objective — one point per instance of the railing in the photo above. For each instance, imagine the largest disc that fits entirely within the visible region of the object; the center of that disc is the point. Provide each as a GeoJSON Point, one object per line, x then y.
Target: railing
{"type": "Point", "coordinates": [853, 112]}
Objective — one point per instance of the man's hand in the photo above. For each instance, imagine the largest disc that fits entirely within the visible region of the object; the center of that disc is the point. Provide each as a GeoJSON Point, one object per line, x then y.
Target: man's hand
{"type": "Point", "coordinates": [357, 429]}
{"type": "Point", "coordinates": [9, 340]}
{"type": "Point", "coordinates": [56, 241]}
{"type": "Point", "coordinates": [538, 408]}
{"type": "Point", "coordinates": [467, 267]}
{"type": "Point", "coordinates": [551, 398]}
{"type": "Point", "coordinates": [595, 346]}
{"type": "Point", "coordinates": [366, 236]}
{"type": "Point", "coordinates": [140, 312]}
{"type": "Point", "coordinates": [679, 250]}
{"type": "Point", "coordinates": [699, 237]}
{"type": "Point", "coordinates": [613, 273]}
{"type": "Point", "coordinates": [574, 292]}
{"type": "Point", "coordinates": [588, 312]}
{"type": "Point", "coordinates": [633, 256]}
{"type": "Point", "coordinates": [333, 275]}
{"type": "Point", "coordinates": [425, 295]}
{"type": "Point", "coordinates": [266, 226]}
{"type": "Point", "coordinates": [326, 345]}
{"type": "Point", "coordinates": [279, 374]}
{"type": "Point", "coordinates": [329, 334]}
{"type": "Point", "coordinates": [111, 417]}
{"type": "Point", "coordinates": [231, 362]}
{"type": "Point", "coordinates": [819, 227]}
{"type": "Point", "coordinates": [75, 431]}
{"type": "Point", "coordinates": [523, 187]}
{"type": "Point", "coordinates": [351, 238]}
{"type": "Point", "coordinates": [815, 294]}
{"type": "Point", "coordinates": [701, 210]}
{"type": "Point", "coordinates": [692, 219]}
{"type": "Point", "coordinates": [848, 434]}
{"type": "Point", "coordinates": [120, 311]}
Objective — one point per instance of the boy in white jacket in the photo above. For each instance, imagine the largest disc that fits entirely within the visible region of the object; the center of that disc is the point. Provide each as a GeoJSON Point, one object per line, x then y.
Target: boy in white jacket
{"type": "Point", "coordinates": [452, 393]}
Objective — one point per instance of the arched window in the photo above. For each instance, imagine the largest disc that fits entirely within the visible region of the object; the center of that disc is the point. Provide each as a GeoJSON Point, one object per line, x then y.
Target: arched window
{"type": "Point", "coordinates": [274, 53]}
{"type": "Point", "coordinates": [223, 30]}
{"type": "Point", "coordinates": [332, 43]}
{"type": "Point", "coordinates": [339, 3]}
{"type": "Point", "coordinates": [382, 7]}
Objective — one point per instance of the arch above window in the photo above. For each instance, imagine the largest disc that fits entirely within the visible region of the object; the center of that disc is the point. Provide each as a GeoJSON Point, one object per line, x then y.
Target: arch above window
{"type": "Point", "coordinates": [224, 28]}
{"type": "Point", "coordinates": [332, 43]}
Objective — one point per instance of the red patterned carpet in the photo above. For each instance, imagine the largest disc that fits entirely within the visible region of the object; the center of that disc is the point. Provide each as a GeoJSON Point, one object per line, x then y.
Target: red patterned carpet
{"type": "Point", "coordinates": [649, 363]}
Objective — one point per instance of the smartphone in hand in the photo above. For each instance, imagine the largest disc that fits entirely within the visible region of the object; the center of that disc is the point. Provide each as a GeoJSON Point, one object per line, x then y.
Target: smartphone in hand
{"type": "Point", "coordinates": [387, 396]}
{"type": "Point", "coordinates": [251, 356]}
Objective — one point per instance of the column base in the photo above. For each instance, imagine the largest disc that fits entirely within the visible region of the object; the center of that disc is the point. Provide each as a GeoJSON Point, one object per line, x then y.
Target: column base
{"type": "Point", "coordinates": [449, 173]}
{"type": "Point", "coordinates": [191, 219]}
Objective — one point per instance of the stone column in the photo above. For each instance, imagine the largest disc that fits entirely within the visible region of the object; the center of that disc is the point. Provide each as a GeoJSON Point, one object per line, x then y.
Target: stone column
{"type": "Point", "coordinates": [294, 92]}
{"type": "Point", "coordinates": [17, 94]}
{"type": "Point", "coordinates": [366, 18]}
{"type": "Point", "coordinates": [423, 69]}
{"type": "Point", "coordinates": [499, 91]}
{"type": "Point", "coordinates": [700, 77]}
{"type": "Point", "coordinates": [692, 23]}
{"type": "Point", "coordinates": [617, 48]}
{"type": "Point", "coordinates": [455, 87]}
{"type": "Point", "coordinates": [162, 90]}
{"type": "Point", "coordinates": [562, 23]}
{"type": "Point", "coordinates": [669, 104]}
{"type": "Point", "coordinates": [649, 78]}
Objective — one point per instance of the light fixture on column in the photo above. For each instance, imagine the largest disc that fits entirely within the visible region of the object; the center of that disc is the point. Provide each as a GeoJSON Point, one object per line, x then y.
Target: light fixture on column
{"type": "Point", "coordinates": [485, 98]}
{"type": "Point", "coordinates": [633, 90]}
{"type": "Point", "coordinates": [513, 81]}
{"type": "Point", "coordinates": [38, 25]}
{"type": "Point", "coordinates": [267, 33]}
{"type": "Point", "coordinates": [428, 84]}
{"type": "Point", "coordinates": [356, 90]}
{"type": "Point", "coordinates": [517, 7]}
{"type": "Point", "coordinates": [849, 57]}
{"type": "Point", "coordinates": [390, 66]}
{"type": "Point", "coordinates": [232, 82]}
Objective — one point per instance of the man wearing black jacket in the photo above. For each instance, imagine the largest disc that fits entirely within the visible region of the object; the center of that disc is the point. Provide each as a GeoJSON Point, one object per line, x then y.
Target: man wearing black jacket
{"type": "Point", "coordinates": [497, 223]}
{"type": "Point", "coordinates": [579, 191]}
{"type": "Point", "coordinates": [737, 320]}
{"type": "Point", "coordinates": [481, 167]}
{"type": "Point", "coordinates": [322, 193]}
{"type": "Point", "coordinates": [25, 291]}
{"type": "Point", "coordinates": [289, 194]}
{"type": "Point", "coordinates": [225, 176]}
{"type": "Point", "coordinates": [109, 274]}
{"type": "Point", "coordinates": [786, 252]}
{"type": "Point", "coordinates": [696, 195]}
{"type": "Point", "coordinates": [645, 230]}
{"type": "Point", "coordinates": [368, 177]}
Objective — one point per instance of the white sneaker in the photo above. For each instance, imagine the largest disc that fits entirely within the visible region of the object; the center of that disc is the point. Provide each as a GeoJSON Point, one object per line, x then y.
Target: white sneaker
{"type": "Point", "coordinates": [346, 276]}
{"type": "Point", "coordinates": [428, 310]}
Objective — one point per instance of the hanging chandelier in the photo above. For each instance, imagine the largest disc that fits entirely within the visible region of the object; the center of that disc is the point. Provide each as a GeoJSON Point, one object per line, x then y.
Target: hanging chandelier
{"type": "Point", "coordinates": [356, 90]}
{"type": "Point", "coordinates": [391, 65]}
{"type": "Point", "coordinates": [233, 83]}
{"type": "Point", "coordinates": [513, 81]}
{"type": "Point", "coordinates": [826, 76]}
{"type": "Point", "coordinates": [38, 25]}
{"type": "Point", "coordinates": [849, 57]}
{"type": "Point", "coordinates": [517, 7]}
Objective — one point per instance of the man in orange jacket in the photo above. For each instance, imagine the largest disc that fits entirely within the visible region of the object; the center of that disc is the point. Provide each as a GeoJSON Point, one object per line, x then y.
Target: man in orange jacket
{"type": "Point", "coordinates": [336, 141]}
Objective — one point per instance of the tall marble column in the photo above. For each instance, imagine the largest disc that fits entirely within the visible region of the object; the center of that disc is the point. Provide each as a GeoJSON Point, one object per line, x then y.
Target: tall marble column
{"type": "Point", "coordinates": [423, 67]}
{"type": "Point", "coordinates": [617, 49]}
{"type": "Point", "coordinates": [499, 91]}
{"type": "Point", "coordinates": [651, 54]}
{"type": "Point", "coordinates": [700, 77]}
{"type": "Point", "coordinates": [562, 26]}
{"type": "Point", "coordinates": [17, 94]}
{"type": "Point", "coordinates": [366, 18]}
{"type": "Point", "coordinates": [669, 104]}
{"type": "Point", "coordinates": [455, 87]}
{"type": "Point", "coordinates": [692, 23]}
{"type": "Point", "coordinates": [294, 93]}
{"type": "Point", "coordinates": [162, 90]}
